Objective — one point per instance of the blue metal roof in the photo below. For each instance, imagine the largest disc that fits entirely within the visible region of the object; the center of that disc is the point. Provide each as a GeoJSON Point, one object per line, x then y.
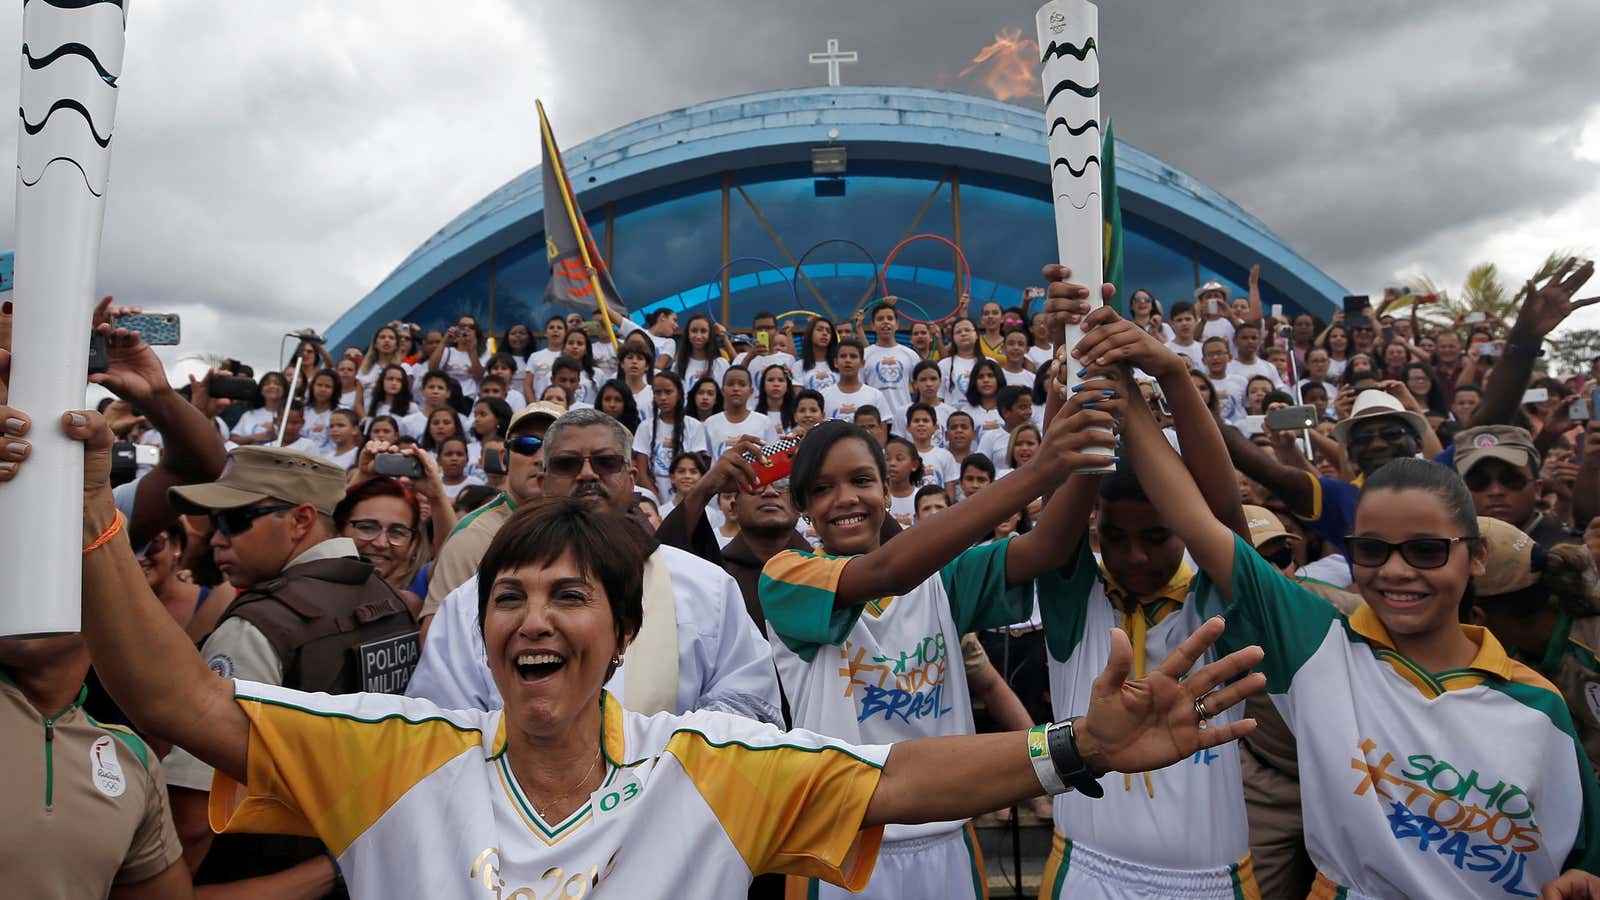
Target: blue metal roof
{"type": "Point", "coordinates": [897, 124]}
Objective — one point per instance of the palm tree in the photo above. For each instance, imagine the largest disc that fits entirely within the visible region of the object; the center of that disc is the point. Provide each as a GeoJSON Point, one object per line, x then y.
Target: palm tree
{"type": "Point", "coordinates": [1482, 291]}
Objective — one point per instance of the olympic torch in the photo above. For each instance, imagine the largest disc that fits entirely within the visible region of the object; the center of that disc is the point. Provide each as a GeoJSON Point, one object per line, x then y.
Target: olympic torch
{"type": "Point", "coordinates": [71, 62]}
{"type": "Point", "coordinates": [1070, 61]}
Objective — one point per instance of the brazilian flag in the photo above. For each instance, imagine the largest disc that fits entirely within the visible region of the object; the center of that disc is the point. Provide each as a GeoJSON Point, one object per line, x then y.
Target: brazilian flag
{"type": "Point", "coordinates": [1111, 212]}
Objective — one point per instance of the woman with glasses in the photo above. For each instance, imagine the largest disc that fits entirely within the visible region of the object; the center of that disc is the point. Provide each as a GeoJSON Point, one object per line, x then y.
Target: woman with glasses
{"type": "Point", "coordinates": [1432, 764]}
{"type": "Point", "coordinates": [382, 515]}
{"type": "Point", "coordinates": [434, 509]}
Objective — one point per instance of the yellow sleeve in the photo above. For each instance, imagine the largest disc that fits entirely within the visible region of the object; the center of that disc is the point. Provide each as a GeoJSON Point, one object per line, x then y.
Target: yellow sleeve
{"type": "Point", "coordinates": [790, 809]}
{"type": "Point", "coordinates": [330, 773]}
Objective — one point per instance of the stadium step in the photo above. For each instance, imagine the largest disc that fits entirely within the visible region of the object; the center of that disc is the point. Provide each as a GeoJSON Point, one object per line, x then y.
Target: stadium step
{"type": "Point", "coordinates": [995, 839]}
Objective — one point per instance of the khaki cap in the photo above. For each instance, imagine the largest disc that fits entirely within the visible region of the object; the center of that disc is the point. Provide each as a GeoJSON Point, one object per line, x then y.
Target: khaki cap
{"type": "Point", "coordinates": [1264, 525]}
{"type": "Point", "coordinates": [1510, 565]}
{"type": "Point", "coordinates": [254, 474]}
{"type": "Point", "coordinates": [1507, 443]}
{"type": "Point", "coordinates": [544, 409]}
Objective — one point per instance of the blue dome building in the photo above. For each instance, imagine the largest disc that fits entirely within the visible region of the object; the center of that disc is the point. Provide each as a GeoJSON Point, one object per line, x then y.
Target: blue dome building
{"type": "Point", "coordinates": [673, 198]}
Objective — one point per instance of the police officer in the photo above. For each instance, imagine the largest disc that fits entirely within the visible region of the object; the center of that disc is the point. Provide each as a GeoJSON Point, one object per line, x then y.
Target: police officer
{"type": "Point", "coordinates": [311, 615]}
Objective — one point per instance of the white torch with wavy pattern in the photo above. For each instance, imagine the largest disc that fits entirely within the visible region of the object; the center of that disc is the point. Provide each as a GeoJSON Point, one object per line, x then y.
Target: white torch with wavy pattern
{"type": "Point", "coordinates": [1069, 55]}
{"type": "Point", "coordinates": [72, 59]}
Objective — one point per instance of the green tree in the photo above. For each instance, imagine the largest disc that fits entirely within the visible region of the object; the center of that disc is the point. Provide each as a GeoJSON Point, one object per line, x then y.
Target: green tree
{"type": "Point", "coordinates": [1571, 352]}
{"type": "Point", "coordinates": [1482, 291]}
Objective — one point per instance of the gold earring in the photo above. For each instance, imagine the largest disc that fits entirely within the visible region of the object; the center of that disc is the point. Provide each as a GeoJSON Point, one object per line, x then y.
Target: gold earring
{"type": "Point", "coordinates": [616, 660]}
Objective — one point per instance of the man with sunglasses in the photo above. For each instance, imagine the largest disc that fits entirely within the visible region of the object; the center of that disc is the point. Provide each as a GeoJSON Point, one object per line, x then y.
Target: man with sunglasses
{"type": "Point", "coordinates": [697, 649]}
{"type": "Point", "coordinates": [1500, 465]}
{"type": "Point", "coordinates": [310, 615]}
{"type": "Point", "coordinates": [464, 549]}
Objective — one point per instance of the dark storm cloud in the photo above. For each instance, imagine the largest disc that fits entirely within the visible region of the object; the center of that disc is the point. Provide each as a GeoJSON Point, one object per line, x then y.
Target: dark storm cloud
{"type": "Point", "coordinates": [273, 163]}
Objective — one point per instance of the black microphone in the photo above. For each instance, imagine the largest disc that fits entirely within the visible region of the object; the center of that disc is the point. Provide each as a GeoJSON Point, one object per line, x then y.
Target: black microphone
{"type": "Point", "coordinates": [308, 336]}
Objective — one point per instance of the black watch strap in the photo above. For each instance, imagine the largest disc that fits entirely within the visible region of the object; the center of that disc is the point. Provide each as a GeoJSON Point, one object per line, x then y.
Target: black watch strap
{"type": "Point", "coordinates": [1069, 763]}
{"type": "Point", "coordinates": [1535, 350]}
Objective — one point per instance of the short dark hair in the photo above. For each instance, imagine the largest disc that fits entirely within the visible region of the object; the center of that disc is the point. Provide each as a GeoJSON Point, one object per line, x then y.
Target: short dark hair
{"type": "Point", "coordinates": [1214, 339]}
{"type": "Point", "coordinates": [866, 410]}
{"type": "Point", "coordinates": [1181, 307]}
{"type": "Point", "coordinates": [814, 449]}
{"type": "Point", "coordinates": [605, 545]}
{"type": "Point", "coordinates": [1276, 396]}
{"type": "Point", "coordinates": [657, 315]}
{"type": "Point", "coordinates": [565, 363]}
{"type": "Point", "coordinates": [879, 307]}
{"type": "Point", "coordinates": [1010, 395]}
{"type": "Point", "coordinates": [978, 461]}
{"type": "Point", "coordinates": [1122, 484]}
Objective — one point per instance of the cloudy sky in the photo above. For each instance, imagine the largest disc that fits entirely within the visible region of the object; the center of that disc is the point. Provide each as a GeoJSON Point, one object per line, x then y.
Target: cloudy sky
{"type": "Point", "coordinates": [273, 162]}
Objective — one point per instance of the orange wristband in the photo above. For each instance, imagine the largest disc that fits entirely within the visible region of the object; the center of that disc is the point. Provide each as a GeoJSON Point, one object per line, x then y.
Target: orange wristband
{"type": "Point", "coordinates": [107, 535]}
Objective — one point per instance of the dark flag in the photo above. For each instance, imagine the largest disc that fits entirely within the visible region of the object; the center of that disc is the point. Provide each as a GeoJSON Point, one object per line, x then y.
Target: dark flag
{"type": "Point", "coordinates": [578, 276]}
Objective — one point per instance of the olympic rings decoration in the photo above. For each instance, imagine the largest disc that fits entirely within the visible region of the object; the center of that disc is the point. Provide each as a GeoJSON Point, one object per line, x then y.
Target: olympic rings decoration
{"type": "Point", "coordinates": [883, 275]}
{"type": "Point", "coordinates": [798, 271]}
{"type": "Point", "coordinates": [716, 278]}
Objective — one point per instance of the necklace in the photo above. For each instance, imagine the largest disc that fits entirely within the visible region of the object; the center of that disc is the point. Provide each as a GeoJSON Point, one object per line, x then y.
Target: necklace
{"type": "Point", "coordinates": [568, 792]}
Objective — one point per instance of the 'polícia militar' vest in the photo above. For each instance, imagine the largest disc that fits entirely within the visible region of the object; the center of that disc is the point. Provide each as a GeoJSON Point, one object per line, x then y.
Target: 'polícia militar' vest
{"type": "Point", "coordinates": [338, 628]}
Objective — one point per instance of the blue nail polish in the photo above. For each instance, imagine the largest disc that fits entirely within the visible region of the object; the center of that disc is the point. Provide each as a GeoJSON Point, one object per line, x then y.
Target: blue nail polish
{"type": "Point", "coordinates": [1115, 460]}
{"type": "Point", "coordinates": [1089, 405]}
{"type": "Point", "coordinates": [1109, 393]}
{"type": "Point", "coordinates": [1076, 388]}
{"type": "Point", "coordinates": [1083, 371]}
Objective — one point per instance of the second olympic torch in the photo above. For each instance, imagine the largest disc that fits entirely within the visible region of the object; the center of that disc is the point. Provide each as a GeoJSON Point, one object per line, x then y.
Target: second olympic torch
{"type": "Point", "coordinates": [1070, 63]}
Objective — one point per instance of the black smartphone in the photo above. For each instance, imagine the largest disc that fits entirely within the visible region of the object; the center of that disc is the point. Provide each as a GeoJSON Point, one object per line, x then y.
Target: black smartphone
{"type": "Point", "coordinates": [230, 387]}
{"type": "Point", "coordinates": [98, 359]}
{"type": "Point", "coordinates": [124, 463]}
{"type": "Point", "coordinates": [494, 462]}
{"type": "Point", "coordinates": [1355, 306]}
{"type": "Point", "coordinates": [397, 465]}
{"type": "Point", "coordinates": [1291, 418]}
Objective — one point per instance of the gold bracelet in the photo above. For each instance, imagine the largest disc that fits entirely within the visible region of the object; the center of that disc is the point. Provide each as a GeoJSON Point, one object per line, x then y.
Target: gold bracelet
{"type": "Point", "coordinates": [107, 535]}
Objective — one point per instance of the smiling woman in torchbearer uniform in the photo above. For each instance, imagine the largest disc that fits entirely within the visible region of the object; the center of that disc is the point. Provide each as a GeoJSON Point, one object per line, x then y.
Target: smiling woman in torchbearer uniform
{"type": "Point", "coordinates": [563, 792]}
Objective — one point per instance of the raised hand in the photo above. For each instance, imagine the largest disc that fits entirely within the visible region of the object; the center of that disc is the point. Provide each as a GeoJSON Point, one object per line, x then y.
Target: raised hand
{"type": "Point", "coordinates": [1067, 303]}
{"type": "Point", "coordinates": [1152, 722]}
{"type": "Point", "coordinates": [1544, 308]}
{"type": "Point", "coordinates": [1111, 340]}
{"type": "Point", "coordinates": [133, 371]}
{"type": "Point", "coordinates": [1090, 419]}
{"type": "Point", "coordinates": [731, 468]}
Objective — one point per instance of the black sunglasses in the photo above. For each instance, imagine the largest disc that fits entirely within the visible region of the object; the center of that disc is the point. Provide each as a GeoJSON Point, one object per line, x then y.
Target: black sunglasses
{"type": "Point", "coordinates": [231, 522]}
{"type": "Point", "coordinates": [1280, 558]}
{"type": "Point", "coordinates": [524, 444]}
{"type": "Point", "coordinates": [1390, 434]}
{"type": "Point", "coordinates": [1481, 477]}
{"type": "Point", "coordinates": [1419, 553]}
{"type": "Point", "coordinates": [605, 464]}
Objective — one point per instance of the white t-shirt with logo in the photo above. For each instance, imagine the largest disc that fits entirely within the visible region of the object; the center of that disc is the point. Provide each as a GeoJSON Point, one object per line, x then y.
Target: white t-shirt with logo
{"type": "Point", "coordinates": [722, 434]}
{"type": "Point", "coordinates": [889, 370]}
{"type": "Point", "coordinates": [654, 440]}
{"type": "Point", "coordinates": [818, 378]}
{"type": "Point", "coordinates": [954, 374]}
{"type": "Point", "coordinates": [839, 404]}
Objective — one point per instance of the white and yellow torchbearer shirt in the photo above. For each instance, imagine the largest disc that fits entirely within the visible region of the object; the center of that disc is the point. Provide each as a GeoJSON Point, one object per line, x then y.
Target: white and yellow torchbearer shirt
{"type": "Point", "coordinates": [417, 801]}
{"type": "Point", "coordinates": [1463, 783]}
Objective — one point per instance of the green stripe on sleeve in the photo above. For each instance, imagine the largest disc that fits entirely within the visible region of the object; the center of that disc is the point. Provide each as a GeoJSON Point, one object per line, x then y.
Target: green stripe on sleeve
{"type": "Point", "coordinates": [979, 596]}
{"type": "Point", "coordinates": [1266, 608]}
{"type": "Point", "coordinates": [1064, 602]}
{"type": "Point", "coordinates": [803, 616]}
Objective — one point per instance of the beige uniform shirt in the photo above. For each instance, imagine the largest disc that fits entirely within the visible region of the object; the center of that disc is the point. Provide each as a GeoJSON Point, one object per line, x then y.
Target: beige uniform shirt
{"type": "Point", "coordinates": [83, 807]}
{"type": "Point", "coordinates": [464, 549]}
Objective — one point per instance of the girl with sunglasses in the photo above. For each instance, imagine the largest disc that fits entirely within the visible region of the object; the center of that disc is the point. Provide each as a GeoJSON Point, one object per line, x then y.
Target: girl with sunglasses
{"type": "Point", "coordinates": [671, 430]}
{"type": "Point", "coordinates": [1404, 717]}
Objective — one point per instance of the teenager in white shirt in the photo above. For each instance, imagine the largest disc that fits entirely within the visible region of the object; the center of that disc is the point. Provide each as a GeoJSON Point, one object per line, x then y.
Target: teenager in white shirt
{"type": "Point", "coordinates": [663, 325]}
{"type": "Point", "coordinates": [939, 467]}
{"type": "Point", "coordinates": [352, 392]}
{"type": "Point", "coordinates": [814, 370]}
{"type": "Point", "coordinates": [983, 394]}
{"type": "Point", "coordinates": [320, 406]}
{"type": "Point", "coordinates": [765, 351]}
{"type": "Point", "coordinates": [724, 429]}
{"type": "Point", "coordinates": [905, 474]}
{"type": "Point", "coordinates": [578, 348]}
{"type": "Point", "coordinates": [453, 459]}
{"type": "Point", "coordinates": [1184, 326]}
{"type": "Point", "coordinates": [259, 424]}
{"type": "Point", "coordinates": [668, 431]}
{"type": "Point", "coordinates": [961, 437]}
{"type": "Point", "coordinates": [1042, 350]}
{"type": "Point", "coordinates": [344, 439]}
{"type": "Point", "coordinates": [843, 399]}
{"type": "Point", "coordinates": [777, 397]}
{"type": "Point", "coordinates": [889, 364]}
{"type": "Point", "coordinates": [698, 354]}
{"type": "Point", "coordinates": [956, 369]}
{"type": "Point", "coordinates": [1231, 389]}
{"type": "Point", "coordinates": [391, 393]}
{"type": "Point", "coordinates": [1246, 362]}
{"type": "Point", "coordinates": [926, 388]}
{"type": "Point", "coordinates": [536, 372]}
{"type": "Point", "coordinates": [1015, 368]}
{"type": "Point", "coordinates": [461, 355]}
{"type": "Point", "coordinates": [1015, 406]}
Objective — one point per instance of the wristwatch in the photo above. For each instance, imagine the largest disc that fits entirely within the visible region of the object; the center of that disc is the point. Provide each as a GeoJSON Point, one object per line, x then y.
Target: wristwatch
{"type": "Point", "coordinates": [1536, 350]}
{"type": "Point", "coordinates": [1069, 763]}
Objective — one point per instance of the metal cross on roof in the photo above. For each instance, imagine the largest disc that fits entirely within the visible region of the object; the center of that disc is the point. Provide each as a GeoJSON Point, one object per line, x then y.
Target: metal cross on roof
{"type": "Point", "coordinates": [832, 58]}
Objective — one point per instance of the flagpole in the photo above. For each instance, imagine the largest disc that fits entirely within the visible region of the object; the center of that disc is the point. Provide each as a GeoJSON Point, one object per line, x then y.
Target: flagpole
{"type": "Point", "coordinates": [553, 157]}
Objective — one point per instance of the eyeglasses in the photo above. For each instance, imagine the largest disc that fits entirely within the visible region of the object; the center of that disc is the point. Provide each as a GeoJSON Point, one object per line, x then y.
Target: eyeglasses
{"type": "Point", "coordinates": [1419, 553]}
{"type": "Point", "coordinates": [232, 522]}
{"type": "Point", "coordinates": [1481, 477]}
{"type": "Point", "coordinates": [605, 464]}
{"type": "Point", "coordinates": [1390, 433]}
{"type": "Point", "coordinates": [1280, 557]}
{"type": "Point", "coordinates": [370, 530]}
{"type": "Point", "coordinates": [524, 444]}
